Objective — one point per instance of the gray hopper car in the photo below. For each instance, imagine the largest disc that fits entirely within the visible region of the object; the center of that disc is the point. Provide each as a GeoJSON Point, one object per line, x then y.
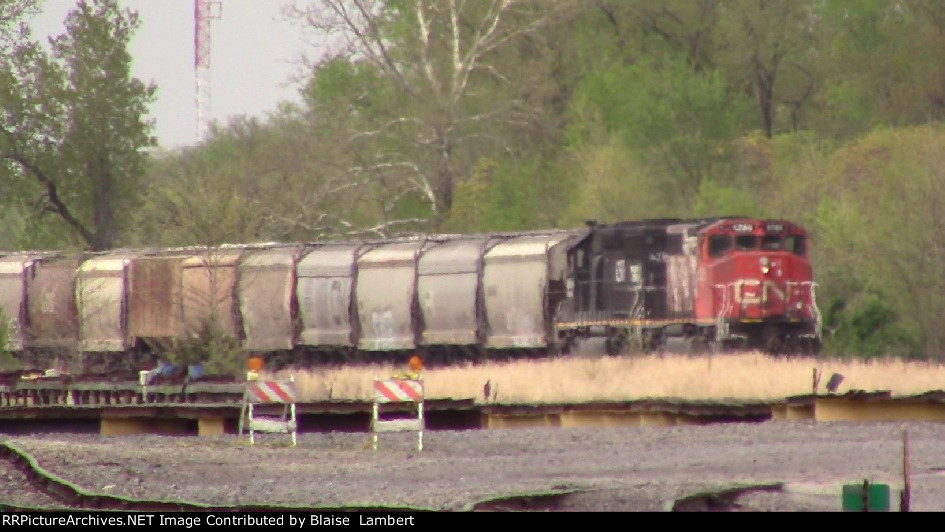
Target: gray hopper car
{"type": "Point", "coordinates": [448, 297]}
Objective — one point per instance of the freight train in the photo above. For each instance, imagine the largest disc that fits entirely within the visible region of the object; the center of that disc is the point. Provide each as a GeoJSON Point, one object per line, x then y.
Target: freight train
{"type": "Point", "coordinates": [719, 282]}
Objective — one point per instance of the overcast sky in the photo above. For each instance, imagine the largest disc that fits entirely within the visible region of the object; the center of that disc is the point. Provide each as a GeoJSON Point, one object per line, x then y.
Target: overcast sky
{"type": "Point", "coordinates": [254, 56]}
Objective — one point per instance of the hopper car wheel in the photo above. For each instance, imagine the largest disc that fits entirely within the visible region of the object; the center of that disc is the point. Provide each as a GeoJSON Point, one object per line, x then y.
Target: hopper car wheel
{"type": "Point", "coordinates": [563, 345]}
{"type": "Point", "coordinates": [477, 354]}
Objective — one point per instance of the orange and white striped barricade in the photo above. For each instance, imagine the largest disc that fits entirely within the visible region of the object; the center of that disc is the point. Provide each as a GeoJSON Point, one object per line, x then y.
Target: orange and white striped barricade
{"type": "Point", "coordinates": [271, 392]}
{"type": "Point", "coordinates": [397, 391]}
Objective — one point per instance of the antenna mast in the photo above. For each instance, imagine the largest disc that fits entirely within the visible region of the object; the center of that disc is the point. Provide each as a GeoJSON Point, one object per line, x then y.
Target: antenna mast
{"type": "Point", "coordinates": [204, 12]}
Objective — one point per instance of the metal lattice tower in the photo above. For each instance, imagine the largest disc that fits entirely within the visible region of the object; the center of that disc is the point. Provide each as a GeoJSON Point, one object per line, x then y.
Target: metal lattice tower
{"type": "Point", "coordinates": [204, 12]}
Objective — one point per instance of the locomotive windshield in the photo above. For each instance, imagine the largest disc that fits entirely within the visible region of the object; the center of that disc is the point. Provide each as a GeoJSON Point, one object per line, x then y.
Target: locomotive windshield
{"type": "Point", "coordinates": [795, 244]}
{"type": "Point", "coordinates": [772, 242]}
{"type": "Point", "coordinates": [746, 242]}
{"type": "Point", "coordinates": [719, 244]}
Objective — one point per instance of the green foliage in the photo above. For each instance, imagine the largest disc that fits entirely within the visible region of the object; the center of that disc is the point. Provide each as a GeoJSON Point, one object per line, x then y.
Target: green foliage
{"type": "Point", "coordinates": [616, 186]}
{"type": "Point", "coordinates": [881, 219]}
{"type": "Point", "coordinates": [718, 200]}
{"type": "Point", "coordinates": [191, 201]}
{"type": "Point", "coordinates": [765, 49]}
{"type": "Point", "coordinates": [7, 361]}
{"type": "Point", "coordinates": [469, 204]}
{"type": "Point", "coordinates": [75, 127]}
{"type": "Point", "coordinates": [212, 346]}
{"type": "Point", "coordinates": [514, 200]}
{"type": "Point", "coordinates": [876, 65]}
{"type": "Point", "coordinates": [24, 228]}
{"type": "Point", "coordinates": [676, 121]}
{"type": "Point", "coordinates": [873, 329]}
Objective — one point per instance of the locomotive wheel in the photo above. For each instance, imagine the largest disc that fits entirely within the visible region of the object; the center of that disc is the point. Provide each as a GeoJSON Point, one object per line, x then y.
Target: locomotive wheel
{"type": "Point", "coordinates": [653, 341]}
{"type": "Point", "coordinates": [617, 342]}
{"type": "Point", "coordinates": [810, 346]}
{"type": "Point", "coordinates": [700, 345]}
{"type": "Point", "coordinates": [703, 341]}
{"type": "Point", "coordinates": [771, 340]}
{"type": "Point", "coordinates": [794, 346]}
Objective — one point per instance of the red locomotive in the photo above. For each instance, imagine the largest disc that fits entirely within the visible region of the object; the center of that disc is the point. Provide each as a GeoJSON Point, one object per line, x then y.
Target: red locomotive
{"type": "Point", "coordinates": [721, 282]}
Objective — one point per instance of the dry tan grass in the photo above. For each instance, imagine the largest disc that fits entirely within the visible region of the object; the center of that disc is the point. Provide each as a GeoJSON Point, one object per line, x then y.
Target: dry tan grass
{"type": "Point", "coordinates": [744, 376]}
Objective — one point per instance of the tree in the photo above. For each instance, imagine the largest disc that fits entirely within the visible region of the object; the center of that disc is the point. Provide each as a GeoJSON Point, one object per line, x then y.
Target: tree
{"type": "Point", "coordinates": [881, 64]}
{"type": "Point", "coordinates": [766, 47]}
{"type": "Point", "coordinates": [685, 28]}
{"type": "Point", "coordinates": [881, 217]}
{"type": "Point", "coordinates": [74, 130]}
{"type": "Point", "coordinates": [13, 28]}
{"type": "Point", "coordinates": [676, 126]}
{"type": "Point", "coordinates": [255, 180]}
{"type": "Point", "coordinates": [444, 86]}
{"type": "Point", "coordinates": [195, 199]}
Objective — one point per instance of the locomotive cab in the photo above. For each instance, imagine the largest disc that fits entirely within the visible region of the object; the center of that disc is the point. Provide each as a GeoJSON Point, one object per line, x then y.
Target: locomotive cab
{"type": "Point", "coordinates": [755, 285]}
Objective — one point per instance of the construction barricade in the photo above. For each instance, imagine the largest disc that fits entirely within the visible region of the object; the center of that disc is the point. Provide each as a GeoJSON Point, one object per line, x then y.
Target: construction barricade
{"type": "Point", "coordinates": [397, 391]}
{"type": "Point", "coordinates": [268, 393]}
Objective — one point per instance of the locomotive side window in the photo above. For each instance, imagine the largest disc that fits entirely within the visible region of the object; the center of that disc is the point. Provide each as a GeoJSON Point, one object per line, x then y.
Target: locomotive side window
{"type": "Point", "coordinates": [771, 242]}
{"type": "Point", "coordinates": [795, 244]}
{"type": "Point", "coordinates": [719, 244]}
{"type": "Point", "coordinates": [746, 242]}
{"type": "Point", "coordinates": [636, 274]}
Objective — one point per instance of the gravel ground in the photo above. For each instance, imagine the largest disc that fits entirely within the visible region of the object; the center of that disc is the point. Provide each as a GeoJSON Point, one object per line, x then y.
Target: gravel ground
{"type": "Point", "coordinates": [16, 490]}
{"type": "Point", "coordinates": [627, 469]}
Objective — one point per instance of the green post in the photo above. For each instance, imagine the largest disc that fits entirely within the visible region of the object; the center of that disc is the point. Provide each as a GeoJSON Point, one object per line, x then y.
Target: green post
{"type": "Point", "coordinates": [866, 497]}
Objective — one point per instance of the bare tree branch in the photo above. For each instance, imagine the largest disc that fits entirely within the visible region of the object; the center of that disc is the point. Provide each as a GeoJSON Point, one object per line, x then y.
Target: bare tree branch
{"type": "Point", "coordinates": [433, 62]}
{"type": "Point", "coordinates": [55, 203]}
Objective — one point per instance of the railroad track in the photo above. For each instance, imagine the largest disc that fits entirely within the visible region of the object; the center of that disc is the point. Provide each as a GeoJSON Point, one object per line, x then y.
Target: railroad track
{"type": "Point", "coordinates": [30, 486]}
{"type": "Point", "coordinates": [27, 486]}
{"type": "Point", "coordinates": [20, 490]}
